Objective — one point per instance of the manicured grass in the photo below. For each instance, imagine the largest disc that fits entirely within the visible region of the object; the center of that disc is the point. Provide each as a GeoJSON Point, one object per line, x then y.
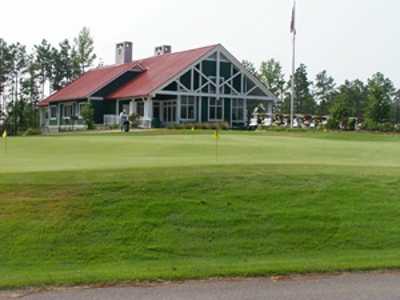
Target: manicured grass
{"type": "Point", "coordinates": [113, 208]}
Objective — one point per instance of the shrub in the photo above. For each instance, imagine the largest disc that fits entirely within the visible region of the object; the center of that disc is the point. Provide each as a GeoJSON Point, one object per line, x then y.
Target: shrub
{"type": "Point", "coordinates": [351, 124]}
{"type": "Point", "coordinates": [386, 127]}
{"type": "Point", "coordinates": [134, 119]}
{"type": "Point", "coordinates": [370, 125]}
{"type": "Point", "coordinates": [87, 114]}
{"type": "Point", "coordinates": [332, 124]}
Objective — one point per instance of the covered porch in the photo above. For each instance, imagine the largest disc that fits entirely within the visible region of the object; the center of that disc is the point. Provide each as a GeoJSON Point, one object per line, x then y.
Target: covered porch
{"type": "Point", "coordinates": [163, 110]}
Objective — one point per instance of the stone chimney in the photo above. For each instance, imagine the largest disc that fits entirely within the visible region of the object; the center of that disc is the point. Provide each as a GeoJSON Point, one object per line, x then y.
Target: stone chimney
{"type": "Point", "coordinates": [123, 53]}
{"type": "Point", "coordinates": [161, 50]}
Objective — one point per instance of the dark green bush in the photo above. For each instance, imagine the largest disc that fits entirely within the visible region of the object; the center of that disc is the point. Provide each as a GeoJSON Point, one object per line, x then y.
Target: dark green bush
{"type": "Point", "coordinates": [134, 119]}
{"type": "Point", "coordinates": [333, 124]}
{"type": "Point", "coordinates": [87, 114]}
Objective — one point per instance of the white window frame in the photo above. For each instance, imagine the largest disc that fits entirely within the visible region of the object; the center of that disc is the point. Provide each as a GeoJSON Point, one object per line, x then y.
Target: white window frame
{"type": "Point", "coordinates": [168, 107]}
{"type": "Point", "coordinates": [80, 106]}
{"type": "Point", "coordinates": [216, 109]}
{"type": "Point", "coordinates": [50, 113]}
{"type": "Point", "coordinates": [69, 105]}
{"type": "Point", "coordinates": [186, 106]}
{"type": "Point", "coordinates": [220, 84]}
{"type": "Point", "coordinates": [237, 107]}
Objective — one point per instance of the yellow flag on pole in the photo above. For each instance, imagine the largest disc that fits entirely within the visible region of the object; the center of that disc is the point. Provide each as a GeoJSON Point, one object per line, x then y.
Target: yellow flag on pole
{"type": "Point", "coordinates": [216, 135]}
{"type": "Point", "coordinates": [4, 134]}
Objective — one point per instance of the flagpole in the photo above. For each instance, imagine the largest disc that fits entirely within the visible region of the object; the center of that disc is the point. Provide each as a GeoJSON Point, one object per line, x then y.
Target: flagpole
{"type": "Point", "coordinates": [293, 31]}
{"type": "Point", "coordinates": [293, 82]}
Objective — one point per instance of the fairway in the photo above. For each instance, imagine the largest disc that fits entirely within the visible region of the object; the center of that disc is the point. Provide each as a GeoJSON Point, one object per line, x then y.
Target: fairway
{"type": "Point", "coordinates": [109, 208]}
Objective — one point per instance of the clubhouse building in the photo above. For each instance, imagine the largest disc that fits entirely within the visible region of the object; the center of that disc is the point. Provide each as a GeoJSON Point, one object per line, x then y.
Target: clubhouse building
{"type": "Point", "coordinates": [195, 86]}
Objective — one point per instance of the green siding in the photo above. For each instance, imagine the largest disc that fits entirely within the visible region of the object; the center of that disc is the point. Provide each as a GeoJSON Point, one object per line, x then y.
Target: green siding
{"type": "Point", "coordinates": [186, 79]}
{"type": "Point", "coordinates": [98, 111]}
{"type": "Point", "coordinates": [209, 68]}
{"type": "Point", "coordinates": [110, 108]}
{"type": "Point", "coordinates": [225, 70]}
{"type": "Point", "coordinates": [204, 109]}
{"type": "Point", "coordinates": [227, 110]}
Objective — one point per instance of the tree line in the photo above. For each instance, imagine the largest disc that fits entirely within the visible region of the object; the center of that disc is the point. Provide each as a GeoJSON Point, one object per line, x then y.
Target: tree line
{"type": "Point", "coordinates": [27, 76]}
{"type": "Point", "coordinates": [375, 103]}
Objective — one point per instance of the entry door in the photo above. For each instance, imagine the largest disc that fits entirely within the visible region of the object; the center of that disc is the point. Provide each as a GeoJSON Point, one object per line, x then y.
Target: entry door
{"type": "Point", "coordinates": [170, 111]}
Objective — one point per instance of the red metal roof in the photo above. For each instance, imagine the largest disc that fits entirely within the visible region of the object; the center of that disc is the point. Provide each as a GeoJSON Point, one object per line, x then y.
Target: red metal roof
{"type": "Point", "coordinates": [158, 71]}
{"type": "Point", "coordinates": [88, 83]}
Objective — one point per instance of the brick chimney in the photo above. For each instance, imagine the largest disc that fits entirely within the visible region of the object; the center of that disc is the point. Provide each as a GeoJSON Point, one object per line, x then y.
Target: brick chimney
{"type": "Point", "coordinates": [123, 53]}
{"type": "Point", "coordinates": [161, 50]}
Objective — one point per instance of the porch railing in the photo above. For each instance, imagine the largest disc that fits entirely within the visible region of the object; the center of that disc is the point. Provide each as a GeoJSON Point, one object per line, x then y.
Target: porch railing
{"type": "Point", "coordinates": [112, 120]}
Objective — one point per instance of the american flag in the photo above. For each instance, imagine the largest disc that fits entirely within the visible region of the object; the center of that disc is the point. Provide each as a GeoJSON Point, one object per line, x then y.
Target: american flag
{"type": "Point", "coordinates": [293, 22]}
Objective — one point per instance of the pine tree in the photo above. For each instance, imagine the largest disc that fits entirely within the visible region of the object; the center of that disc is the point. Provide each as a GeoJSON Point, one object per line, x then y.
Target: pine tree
{"type": "Point", "coordinates": [396, 110]}
{"type": "Point", "coordinates": [324, 92]}
{"type": "Point", "coordinates": [304, 100]}
{"type": "Point", "coordinates": [43, 59]}
{"type": "Point", "coordinates": [84, 49]}
{"type": "Point", "coordinates": [5, 69]}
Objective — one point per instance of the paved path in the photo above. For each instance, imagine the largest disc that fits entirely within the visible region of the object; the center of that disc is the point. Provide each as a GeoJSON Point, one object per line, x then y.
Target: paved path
{"type": "Point", "coordinates": [373, 286]}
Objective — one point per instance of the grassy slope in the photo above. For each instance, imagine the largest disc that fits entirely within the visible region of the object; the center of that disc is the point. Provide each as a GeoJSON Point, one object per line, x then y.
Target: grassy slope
{"type": "Point", "coordinates": [268, 207]}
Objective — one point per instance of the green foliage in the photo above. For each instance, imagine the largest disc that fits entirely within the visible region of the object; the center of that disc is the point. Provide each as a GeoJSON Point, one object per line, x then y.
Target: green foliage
{"type": "Point", "coordinates": [396, 108]}
{"type": "Point", "coordinates": [134, 119]}
{"type": "Point", "coordinates": [272, 76]}
{"type": "Point", "coordinates": [87, 114]}
{"type": "Point", "coordinates": [324, 92]}
{"type": "Point", "coordinates": [84, 44]}
{"type": "Point", "coordinates": [250, 67]}
{"type": "Point", "coordinates": [380, 93]}
{"type": "Point", "coordinates": [333, 124]}
{"type": "Point", "coordinates": [304, 100]}
{"type": "Point", "coordinates": [353, 94]}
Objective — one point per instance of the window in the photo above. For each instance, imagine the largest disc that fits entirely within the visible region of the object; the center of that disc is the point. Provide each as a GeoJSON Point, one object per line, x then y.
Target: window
{"type": "Point", "coordinates": [170, 111]}
{"type": "Point", "coordinates": [188, 108]}
{"type": "Point", "coordinates": [157, 110]}
{"type": "Point", "coordinates": [215, 109]}
{"type": "Point", "coordinates": [140, 108]}
{"type": "Point", "coordinates": [53, 112]}
{"type": "Point", "coordinates": [68, 111]}
{"type": "Point", "coordinates": [81, 107]}
{"type": "Point", "coordinates": [238, 110]}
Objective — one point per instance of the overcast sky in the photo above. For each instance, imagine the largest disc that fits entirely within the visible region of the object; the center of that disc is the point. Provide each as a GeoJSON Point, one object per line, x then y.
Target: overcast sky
{"type": "Point", "coordinates": [349, 38]}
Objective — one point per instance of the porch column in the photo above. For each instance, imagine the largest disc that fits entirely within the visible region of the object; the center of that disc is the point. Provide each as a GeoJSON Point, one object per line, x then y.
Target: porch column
{"type": "Point", "coordinates": [117, 108]}
{"type": "Point", "coordinates": [132, 107]}
{"type": "Point", "coordinates": [178, 109]}
{"type": "Point", "coordinates": [148, 112]}
{"type": "Point", "coordinates": [246, 112]}
{"type": "Point", "coordinates": [269, 109]}
{"type": "Point", "coordinates": [199, 99]}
